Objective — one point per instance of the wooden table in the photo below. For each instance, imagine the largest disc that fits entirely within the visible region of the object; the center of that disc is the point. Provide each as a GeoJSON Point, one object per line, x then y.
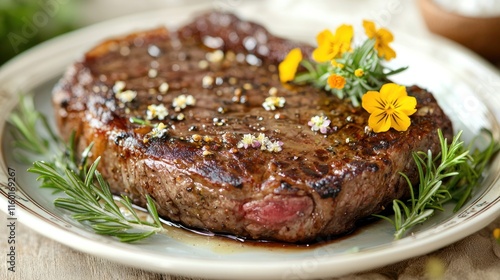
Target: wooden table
{"type": "Point", "coordinates": [38, 257]}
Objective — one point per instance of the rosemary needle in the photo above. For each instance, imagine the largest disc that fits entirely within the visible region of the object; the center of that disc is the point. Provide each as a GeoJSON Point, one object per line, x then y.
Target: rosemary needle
{"type": "Point", "coordinates": [87, 194]}
{"type": "Point", "coordinates": [454, 170]}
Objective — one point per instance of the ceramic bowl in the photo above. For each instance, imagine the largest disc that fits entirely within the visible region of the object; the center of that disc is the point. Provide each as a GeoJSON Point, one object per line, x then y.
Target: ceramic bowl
{"type": "Point", "coordinates": [480, 34]}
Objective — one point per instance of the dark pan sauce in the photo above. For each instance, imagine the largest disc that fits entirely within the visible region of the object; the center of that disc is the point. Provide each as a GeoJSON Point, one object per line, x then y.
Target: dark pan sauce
{"type": "Point", "coordinates": [226, 243]}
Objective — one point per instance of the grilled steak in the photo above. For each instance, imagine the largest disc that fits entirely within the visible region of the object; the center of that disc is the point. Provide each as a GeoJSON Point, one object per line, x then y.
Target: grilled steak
{"type": "Point", "coordinates": [197, 170]}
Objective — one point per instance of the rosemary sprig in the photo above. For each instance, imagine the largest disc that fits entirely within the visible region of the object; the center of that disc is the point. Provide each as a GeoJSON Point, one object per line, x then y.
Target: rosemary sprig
{"type": "Point", "coordinates": [88, 195]}
{"type": "Point", "coordinates": [470, 173]}
{"type": "Point", "coordinates": [25, 119]}
{"type": "Point", "coordinates": [95, 205]}
{"type": "Point", "coordinates": [453, 173]}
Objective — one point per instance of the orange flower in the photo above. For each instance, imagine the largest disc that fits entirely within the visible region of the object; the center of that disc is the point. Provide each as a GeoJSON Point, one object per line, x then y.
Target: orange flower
{"type": "Point", "coordinates": [391, 107]}
{"type": "Point", "coordinates": [336, 81]}
{"type": "Point", "coordinates": [331, 46]}
{"type": "Point", "coordinates": [382, 39]}
{"type": "Point", "coordinates": [288, 67]}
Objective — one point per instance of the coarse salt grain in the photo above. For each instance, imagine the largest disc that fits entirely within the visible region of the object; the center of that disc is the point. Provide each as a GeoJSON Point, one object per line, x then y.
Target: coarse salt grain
{"type": "Point", "coordinates": [163, 88]}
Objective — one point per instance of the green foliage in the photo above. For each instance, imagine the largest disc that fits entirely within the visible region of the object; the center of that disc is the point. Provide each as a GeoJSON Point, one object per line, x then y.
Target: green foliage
{"type": "Point", "coordinates": [363, 57]}
{"type": "Point", "coordinates": [26, 23]}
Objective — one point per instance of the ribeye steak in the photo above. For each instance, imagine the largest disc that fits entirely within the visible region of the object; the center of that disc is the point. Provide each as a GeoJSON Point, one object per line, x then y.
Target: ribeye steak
{"type": "Point", "coordinates": [213, 76]}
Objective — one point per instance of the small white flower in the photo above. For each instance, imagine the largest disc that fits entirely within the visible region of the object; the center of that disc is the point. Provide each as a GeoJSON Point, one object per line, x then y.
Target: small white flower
{"type": "Point", "coordinates": [156, 111]}
{"type": "Point", "coordinates": [159, 131]}
{"type": "Point", "coordinates": [126, 96]}
{"type": "Point", "coordinates": [262, 141]}
{"type": "Point", "coordinates": [274, 147]}
{"type": "Point", "coordinates": [272, 102]}
{"type": "Point", "coordinates": [320, 123]}
{"type": "Point", "coordinates": [247, 141]}
{"type": "Point", "coordinates": [181, 101]}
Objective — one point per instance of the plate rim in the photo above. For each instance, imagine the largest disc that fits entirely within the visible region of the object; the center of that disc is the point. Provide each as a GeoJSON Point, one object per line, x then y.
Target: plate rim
{"type": "Point", "coordinates": [211, 268]}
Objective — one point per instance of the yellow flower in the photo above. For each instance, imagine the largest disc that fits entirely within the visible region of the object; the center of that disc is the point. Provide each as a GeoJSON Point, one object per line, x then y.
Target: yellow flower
{"type": "Point", "coordinates": [391, 107]}
{"type": "Point", "coordinates": [331, 46]}
{"type": "Point", "coordinates": [382, 39]}
{"type": "Point", "coordinates": [288, 67]}
{"type": "Point", "coordinates": [359, 72]}
{"type": "Point", "coordinates": [336, 81]}
{"type": "Point", "coordinates": [336, 64]}
{"type": "Point", "coordinates": [496, 233]}
{"type": "Point", "coordinates": [435, 268]}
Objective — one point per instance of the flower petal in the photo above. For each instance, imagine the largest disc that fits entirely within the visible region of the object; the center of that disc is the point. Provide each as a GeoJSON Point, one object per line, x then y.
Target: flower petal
{"type": "Point", "coordinates": [288, 67]}
{"type": "Point", "coordinates": [385, 35]}
{"type": "Point", "coordinates": [386, 52]}
{"type": "Point", "coordinates": [407, 105]}
{"type": "Point", "coordinates": [379, 121]}
{"type": "Point", "coordinates": [382, 39]}
{"type": "Point", "coordinates": [343, 37]}
{"type": "Point", "coordinates": [325, 52]}
{"type": "Point", "coordinates": [326, 49]}
{"type": "Point", "coordinates": [321, 54]}
{"type": "Point", "coordinates": [324, 36]}
{"type": "Point", "coordinates": [391, 92]}
{"type": "Point", "coordinates": [331, 46]}
{"type": "Point", "coordinates": [369, 28]}
{"type": "Point", "coordinates": [371, 101]}
{"type": "Point", "coordinates": [400, 121]}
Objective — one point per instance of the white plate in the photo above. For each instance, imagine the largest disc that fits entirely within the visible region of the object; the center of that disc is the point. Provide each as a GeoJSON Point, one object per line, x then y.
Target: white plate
{"type": "Point", "coordinates": [465, 86]}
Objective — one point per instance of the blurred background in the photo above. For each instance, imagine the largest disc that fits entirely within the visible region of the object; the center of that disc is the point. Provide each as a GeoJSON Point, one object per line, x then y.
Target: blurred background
{"type": "Point", "coordinates": [26, 23]}
{"type": "Point", "coordinates": [473, 23]}
{"type": "Point", "coordinates": [18, 32]}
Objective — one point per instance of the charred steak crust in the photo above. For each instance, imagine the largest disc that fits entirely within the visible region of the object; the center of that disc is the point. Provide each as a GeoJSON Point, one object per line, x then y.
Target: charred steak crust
{"type": "Point", "coordinates": [316, 186]}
